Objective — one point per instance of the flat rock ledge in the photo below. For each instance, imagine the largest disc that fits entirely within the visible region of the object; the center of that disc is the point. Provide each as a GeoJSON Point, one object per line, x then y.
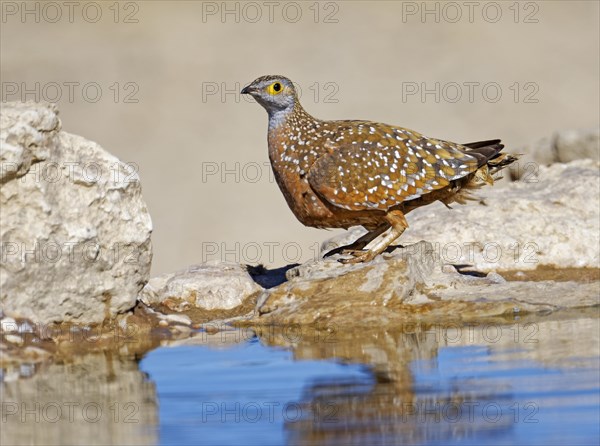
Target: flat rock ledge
{"type": "Point", "coordinates": [410, 284]}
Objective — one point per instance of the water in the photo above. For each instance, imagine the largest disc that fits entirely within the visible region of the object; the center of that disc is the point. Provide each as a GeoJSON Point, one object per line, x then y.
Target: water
{"type": "Point", "coordinates": [528, 382]}
{"type": "Point", "coordinates": [245, 394]}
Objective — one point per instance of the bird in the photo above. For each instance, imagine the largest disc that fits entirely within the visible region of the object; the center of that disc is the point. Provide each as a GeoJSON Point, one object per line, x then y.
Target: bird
{"type": "Point", "coordinates": [344, 173]}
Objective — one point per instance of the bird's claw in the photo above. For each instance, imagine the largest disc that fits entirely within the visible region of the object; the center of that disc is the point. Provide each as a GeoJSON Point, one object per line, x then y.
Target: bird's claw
{"type": "Point", "coordinates": [344, 250]}
{"type": "Point", "coordinates": [358, 256]}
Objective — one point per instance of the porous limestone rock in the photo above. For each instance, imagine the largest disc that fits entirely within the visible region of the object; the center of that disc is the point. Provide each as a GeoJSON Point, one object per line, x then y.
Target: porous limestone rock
{"type": "Point", "coordinates": [75, 232]}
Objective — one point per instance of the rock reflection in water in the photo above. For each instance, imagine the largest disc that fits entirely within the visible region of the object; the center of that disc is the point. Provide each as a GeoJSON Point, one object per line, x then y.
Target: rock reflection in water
{"type": "Point", "coordinates": [531, 381]}
{"type": "Point", "coordinates": [92, 399]}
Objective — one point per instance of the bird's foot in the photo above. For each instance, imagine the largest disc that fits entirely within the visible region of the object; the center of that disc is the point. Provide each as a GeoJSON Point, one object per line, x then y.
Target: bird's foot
{"type": "Point", "coordinates": [358, 256]}
{"type": "Point", "coordinates": [346, 250]}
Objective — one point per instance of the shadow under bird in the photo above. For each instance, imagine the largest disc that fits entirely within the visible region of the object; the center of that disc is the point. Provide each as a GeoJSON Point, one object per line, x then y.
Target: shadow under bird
{"type": "Point", "coordinates": [338, 174]}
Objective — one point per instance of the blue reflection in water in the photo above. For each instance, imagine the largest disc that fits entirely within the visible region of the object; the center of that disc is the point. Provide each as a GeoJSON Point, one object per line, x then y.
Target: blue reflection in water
{"type": "Point", "coordinates": [511, 401]}
{"type": "Point", "coordinates": [254, 394]}
{"type": "Point", "coordinates": [238, 395]}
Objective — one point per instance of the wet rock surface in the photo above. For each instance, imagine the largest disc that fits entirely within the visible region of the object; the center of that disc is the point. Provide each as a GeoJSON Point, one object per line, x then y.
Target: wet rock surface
{"type": "Point", "coordinates": [410, 284]}
{"type": "Point", "coordinates": [75, 230]}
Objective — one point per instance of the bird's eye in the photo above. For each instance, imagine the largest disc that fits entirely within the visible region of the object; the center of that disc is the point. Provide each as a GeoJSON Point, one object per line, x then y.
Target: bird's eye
{"type": "Point", "coordinates": [275, 88]}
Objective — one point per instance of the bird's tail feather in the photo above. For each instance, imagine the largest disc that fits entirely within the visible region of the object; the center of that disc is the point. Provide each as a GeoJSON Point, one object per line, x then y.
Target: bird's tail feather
{"type": "Point", "coordinates": [490, 161]}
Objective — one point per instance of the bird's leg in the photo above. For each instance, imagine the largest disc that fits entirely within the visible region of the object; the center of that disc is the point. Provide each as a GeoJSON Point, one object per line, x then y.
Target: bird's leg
{"type": "Point", "coordinates": [398, 222]}
{"type": "Point", "coordinates": [360, 243]}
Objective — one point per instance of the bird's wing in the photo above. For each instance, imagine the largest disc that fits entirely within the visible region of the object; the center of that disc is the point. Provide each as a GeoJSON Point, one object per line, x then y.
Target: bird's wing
{"type": "Point", "coordinates": [376, 166]}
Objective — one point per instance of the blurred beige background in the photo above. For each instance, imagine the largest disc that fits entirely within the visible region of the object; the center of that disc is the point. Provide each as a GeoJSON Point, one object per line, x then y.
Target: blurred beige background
{"type": "Point", "coordinates": [179, 57]}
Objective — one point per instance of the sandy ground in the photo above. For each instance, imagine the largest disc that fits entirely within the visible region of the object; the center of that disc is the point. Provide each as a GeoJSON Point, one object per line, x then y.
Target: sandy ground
{"type": "Point", "coordinates": [169, 99]}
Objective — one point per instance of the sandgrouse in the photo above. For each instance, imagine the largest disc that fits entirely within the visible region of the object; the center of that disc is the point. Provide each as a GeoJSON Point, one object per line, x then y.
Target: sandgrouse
{"type": "Point", "coordinates": [338, 174]}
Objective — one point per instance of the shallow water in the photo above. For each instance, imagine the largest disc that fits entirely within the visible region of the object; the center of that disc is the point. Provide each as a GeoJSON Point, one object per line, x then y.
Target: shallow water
{"type": "Point", "coordinates": [528, 382]}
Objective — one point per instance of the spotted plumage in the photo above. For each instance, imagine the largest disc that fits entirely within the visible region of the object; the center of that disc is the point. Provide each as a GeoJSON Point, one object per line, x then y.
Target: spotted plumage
{"type": "Point", "coordinates": [337, 174]}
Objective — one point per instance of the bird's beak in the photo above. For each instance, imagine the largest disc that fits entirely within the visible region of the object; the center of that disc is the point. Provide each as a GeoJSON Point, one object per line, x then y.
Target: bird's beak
{"type": "Point", "coordinates": [248, 90]}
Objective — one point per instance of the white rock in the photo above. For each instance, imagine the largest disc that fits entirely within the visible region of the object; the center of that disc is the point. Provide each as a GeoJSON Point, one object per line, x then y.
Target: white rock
{"type": "Point", "coordinates": [577, 144]}
{"type": "Point", "coordinates": [75, 231]}
{"type": "Point", "coordinates": [562, 147]}
{"type": "Point", "coordinates": [28, 135]}
{"type": "Point", "coordinates": [210, 286]}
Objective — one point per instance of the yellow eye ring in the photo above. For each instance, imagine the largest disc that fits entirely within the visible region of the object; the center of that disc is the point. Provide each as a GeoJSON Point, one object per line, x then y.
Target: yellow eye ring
{"type": "Point", "coordinates": [275, 88]}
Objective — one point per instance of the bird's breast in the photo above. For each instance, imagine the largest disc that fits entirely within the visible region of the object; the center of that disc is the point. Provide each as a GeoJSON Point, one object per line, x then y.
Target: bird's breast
{"type": "Point", "coordinates": [291, 162]}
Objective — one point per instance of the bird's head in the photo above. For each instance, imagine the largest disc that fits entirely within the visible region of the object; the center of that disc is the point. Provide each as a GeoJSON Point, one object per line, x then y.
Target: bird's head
{"type": "Point", "coordinates": [274, 93]}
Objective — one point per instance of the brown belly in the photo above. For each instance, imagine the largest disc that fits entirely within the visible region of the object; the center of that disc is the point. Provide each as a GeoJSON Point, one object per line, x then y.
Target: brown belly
{"type": "Point", "coordinates": [311, 210]}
